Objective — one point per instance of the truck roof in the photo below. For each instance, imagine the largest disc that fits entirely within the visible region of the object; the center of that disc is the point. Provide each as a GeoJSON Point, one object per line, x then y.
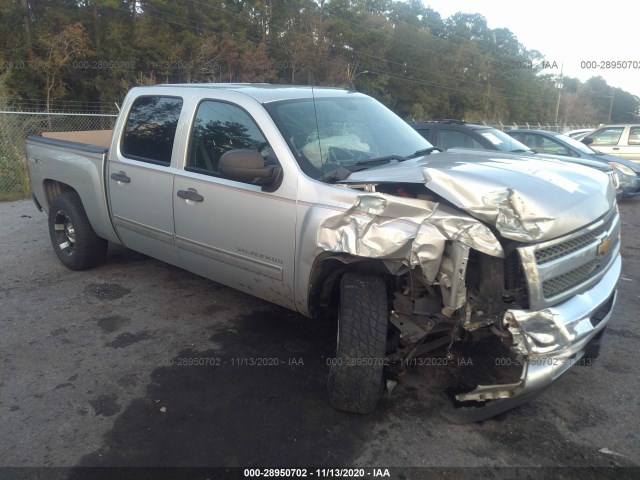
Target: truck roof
{"type": "Point", "coordinates": [266, 92]}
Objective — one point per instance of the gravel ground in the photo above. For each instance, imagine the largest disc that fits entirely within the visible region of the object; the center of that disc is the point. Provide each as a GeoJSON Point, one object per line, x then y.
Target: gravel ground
{"type": "Point", "coordinates": [96, 369]}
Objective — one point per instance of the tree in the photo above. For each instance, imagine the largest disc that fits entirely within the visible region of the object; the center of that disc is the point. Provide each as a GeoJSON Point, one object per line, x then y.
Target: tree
{"type": "Point", "coordinates": [59, 50]}
{"type": "Point", "coordinates": [415, 61]}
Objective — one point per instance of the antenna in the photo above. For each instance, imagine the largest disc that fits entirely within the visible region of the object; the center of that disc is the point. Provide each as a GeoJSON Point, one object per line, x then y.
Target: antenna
{"type": "Point", "coordinates": [315, 112]}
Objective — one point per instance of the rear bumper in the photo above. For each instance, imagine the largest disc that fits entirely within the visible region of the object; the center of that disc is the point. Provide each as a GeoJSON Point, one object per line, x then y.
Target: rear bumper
{"type": "Point", "coordinates": [550, 341]}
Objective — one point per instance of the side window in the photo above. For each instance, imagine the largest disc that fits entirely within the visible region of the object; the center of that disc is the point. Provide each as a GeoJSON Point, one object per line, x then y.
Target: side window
{"type": "Point", "coordinates": [607, 136]}
{"type": "Point", "coordinates": [634, 136]}
{"type": "Point", "coordinates": [518, 136]}
{"type": "Point", "coordinates": [527, 139]}
{"type": "Point", "coordinates": [151, 128]}
{"type": "Point", "coordinates": [219, 127]}
{"type": "Point", "coordinates": [552, 146]}
{"type": "Point", "coordinates": [452, 138]}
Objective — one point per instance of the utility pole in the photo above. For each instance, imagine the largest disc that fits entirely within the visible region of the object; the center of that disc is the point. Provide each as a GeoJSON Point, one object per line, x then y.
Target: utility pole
{"type": "Point", "coordinates": [613, 94]}
{"type": "Point", "coordinates": [559, 86]}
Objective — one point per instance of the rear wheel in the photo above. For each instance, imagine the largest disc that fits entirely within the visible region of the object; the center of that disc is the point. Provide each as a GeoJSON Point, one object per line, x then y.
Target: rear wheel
{"type": "Point", "coordinates": [73, 239]}
{"type": "Point", "coordinates": [356, 375]}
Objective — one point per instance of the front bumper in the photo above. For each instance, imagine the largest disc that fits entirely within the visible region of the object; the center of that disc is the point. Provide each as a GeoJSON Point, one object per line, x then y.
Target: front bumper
{"type": "Point", "coordinates": [631, 188]}
{"type": "Point", "coordinates": [550, 341]}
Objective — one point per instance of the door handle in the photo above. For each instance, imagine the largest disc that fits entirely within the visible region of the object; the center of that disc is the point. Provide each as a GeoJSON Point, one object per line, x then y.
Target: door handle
{"type": "Point", "coordinates": [190, 195]}
{"type": "Point", "coordinates": [616, 148]}
{"type": "Point", "coordinates": [120, 177]}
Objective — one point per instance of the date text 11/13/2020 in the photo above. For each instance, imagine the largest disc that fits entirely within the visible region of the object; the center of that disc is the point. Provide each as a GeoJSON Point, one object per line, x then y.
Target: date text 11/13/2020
{"type": "Point", "coordinates": [231, 362]}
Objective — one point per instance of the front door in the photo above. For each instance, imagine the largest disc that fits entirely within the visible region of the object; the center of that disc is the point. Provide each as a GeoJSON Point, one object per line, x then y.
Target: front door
{"type": "Point", "coordinates": [229, 231]}
{"type": "Point", "coordinates": [632, 150]}
{"type": "Point", "coordinates": [606, 140]}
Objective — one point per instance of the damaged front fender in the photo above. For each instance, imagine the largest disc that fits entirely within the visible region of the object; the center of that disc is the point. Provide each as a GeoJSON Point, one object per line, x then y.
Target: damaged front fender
{"type": "Point", "coordinates": [409, 232]}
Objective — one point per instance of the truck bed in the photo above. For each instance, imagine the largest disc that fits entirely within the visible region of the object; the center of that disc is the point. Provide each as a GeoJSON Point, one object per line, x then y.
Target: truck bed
{"type": "Point", "coordinates": [99, 138]}
{"type": "Point", "coordinates": [59, 161]}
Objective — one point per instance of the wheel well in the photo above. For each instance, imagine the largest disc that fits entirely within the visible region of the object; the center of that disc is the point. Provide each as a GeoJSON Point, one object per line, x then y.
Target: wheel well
{"type": "Point", "coordinates": [52, 188]}
{"type": "Point", "coordinates": [327, 272]}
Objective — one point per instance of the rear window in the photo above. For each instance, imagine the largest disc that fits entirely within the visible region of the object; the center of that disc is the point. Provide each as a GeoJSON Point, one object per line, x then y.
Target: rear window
{"type": "Point", "coordinates": [151, 129]}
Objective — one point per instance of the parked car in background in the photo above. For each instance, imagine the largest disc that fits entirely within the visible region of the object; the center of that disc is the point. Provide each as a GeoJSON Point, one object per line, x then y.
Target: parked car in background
{"type": "Point", "coordinates": [448, 134]}
{"type": "Point", "coordinates": [455, 133]}
{"type": "Point", "coordinates": [579, 133]}
{"type": "Point", "coordinates": [621, 140]}
{"type": "Point", "coordinates": [544, 141]}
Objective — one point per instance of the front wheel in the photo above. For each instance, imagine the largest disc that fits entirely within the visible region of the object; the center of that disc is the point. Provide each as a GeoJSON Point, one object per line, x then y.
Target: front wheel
{"type": "Point", "coordinates": [356, 375]}
{"type": "Point", "coordinates": [73, 239]}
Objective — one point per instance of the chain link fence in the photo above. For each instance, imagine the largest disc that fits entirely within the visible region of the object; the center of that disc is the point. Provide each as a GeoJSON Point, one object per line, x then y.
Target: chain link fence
{"type": "Point", "coordinates": [552, 127]}
{"type": "Point", "coordinates": [15, 127]}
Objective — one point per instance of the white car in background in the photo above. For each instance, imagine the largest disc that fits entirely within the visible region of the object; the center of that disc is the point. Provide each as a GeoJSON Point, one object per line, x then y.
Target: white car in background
{"type": "Point", "coordinates": [579, 133]}
{"type": "Point", "coordinates": [621, 140]}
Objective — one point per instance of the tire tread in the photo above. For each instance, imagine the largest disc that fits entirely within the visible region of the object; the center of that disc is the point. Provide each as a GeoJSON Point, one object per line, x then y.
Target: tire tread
{"type": "Point", "coordinates": [362, 334]}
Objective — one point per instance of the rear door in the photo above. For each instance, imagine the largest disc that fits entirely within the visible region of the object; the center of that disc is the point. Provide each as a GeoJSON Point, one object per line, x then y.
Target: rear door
{"type": "Point", "coordinates": [233, 232]}
{"type": "Point", "coordinates": [632, 150]}
{"type": "Point", "coordinates": [140, 177]}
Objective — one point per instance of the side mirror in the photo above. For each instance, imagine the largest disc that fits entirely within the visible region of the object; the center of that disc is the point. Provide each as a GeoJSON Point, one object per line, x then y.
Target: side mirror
{"type": "Point", "coordinates": [587, 140]}
{"type": "Point", "coordinates": [248, 166]}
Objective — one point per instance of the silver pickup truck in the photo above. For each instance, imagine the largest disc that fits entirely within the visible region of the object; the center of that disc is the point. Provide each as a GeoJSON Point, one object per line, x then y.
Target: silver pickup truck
{"type": "Point", "coordinates": [323, 201]}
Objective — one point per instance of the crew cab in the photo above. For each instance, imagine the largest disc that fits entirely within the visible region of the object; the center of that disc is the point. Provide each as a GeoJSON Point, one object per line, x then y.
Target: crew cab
{"type": "Point", "coordinates": [325, 202]}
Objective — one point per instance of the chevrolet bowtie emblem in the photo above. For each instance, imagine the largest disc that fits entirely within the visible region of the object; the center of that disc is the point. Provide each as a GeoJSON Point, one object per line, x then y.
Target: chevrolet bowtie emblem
{"type": "Point", "coordinates": [605, 246]}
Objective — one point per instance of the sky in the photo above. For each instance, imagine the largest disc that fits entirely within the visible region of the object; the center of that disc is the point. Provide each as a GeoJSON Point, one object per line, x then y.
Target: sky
{"type": "Point", "coordinates": [567, 32]}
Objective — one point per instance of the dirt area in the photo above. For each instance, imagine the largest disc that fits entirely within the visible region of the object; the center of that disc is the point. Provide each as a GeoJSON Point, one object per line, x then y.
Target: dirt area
{"type": "Point", "coordinates": [138, 363]}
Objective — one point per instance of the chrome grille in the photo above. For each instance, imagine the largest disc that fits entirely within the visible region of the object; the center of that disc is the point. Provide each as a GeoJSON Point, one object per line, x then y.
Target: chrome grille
{"type": "Point", "coordinates": [548, 254]}
{"type": "Point", "coordinates": [562, 283]}
{"type": "Point", "coordinates": [558, 250]}
{"type": "Point", "coordinates": [557, 269]}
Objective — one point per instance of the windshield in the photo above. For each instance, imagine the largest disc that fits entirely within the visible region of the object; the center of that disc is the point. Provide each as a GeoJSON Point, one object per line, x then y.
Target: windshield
{"type": "Point", "coordinates": [330, 133]}
{"type": "Point", "coordinates": [581, 147]}
{"type": "Point", "coordinates": [503, 142]}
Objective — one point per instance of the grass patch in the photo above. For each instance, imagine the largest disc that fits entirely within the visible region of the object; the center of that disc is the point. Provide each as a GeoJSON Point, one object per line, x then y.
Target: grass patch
{"type": "Point", "coordinates": [14, 178]}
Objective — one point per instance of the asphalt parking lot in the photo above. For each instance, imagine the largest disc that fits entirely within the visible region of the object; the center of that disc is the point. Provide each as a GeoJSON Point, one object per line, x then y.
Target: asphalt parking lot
{"type": "Point", "coordinates": [97, 369]}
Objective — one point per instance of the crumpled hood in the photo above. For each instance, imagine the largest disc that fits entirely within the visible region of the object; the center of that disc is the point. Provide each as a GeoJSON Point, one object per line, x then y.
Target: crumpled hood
{"type": "Point", "coordinates": [526, 199]}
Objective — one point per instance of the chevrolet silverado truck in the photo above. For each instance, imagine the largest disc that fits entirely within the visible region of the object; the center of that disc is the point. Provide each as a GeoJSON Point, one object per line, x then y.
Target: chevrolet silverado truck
{"type": "Point", "coordinates": [323, 201]}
